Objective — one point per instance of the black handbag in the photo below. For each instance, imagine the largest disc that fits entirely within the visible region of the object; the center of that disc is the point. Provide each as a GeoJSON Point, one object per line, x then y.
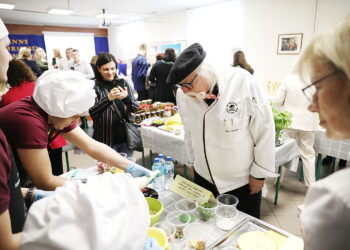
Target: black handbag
{"type": "Point", "coordinates": [133, 135]}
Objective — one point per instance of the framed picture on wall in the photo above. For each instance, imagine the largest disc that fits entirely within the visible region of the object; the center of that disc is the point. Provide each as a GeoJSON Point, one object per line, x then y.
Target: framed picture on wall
{"type": "Point", "coordinates": [289, 44]}
{"type": "Point", "coordinates": [153, 48]}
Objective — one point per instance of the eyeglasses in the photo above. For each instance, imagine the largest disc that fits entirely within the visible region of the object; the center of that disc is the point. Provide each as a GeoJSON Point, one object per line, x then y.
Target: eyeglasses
{"type": "Point", "coordinates": [310, 90]}
{"type": "Point", "coordinates": [187, 85]}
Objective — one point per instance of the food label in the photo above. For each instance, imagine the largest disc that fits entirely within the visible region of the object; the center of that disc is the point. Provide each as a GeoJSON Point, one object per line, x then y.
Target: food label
{"type": "Point", "coordinates": [188, 189]}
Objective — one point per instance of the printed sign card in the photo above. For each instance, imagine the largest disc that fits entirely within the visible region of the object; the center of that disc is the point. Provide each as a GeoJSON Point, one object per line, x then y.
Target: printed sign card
{"type": "Point", "coordinates": [188, 189]}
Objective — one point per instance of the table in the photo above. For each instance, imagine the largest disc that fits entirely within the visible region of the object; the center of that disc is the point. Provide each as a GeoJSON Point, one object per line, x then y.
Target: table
{"type": "Point", "coordinates": [169, 144]}
{"type": "Point", "coordinates": [325, 146]}
{"type": "Point", "coordinates": [169, 198]}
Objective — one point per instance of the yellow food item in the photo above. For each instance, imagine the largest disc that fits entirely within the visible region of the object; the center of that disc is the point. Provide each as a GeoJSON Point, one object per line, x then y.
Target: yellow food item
{"type": "Point", "coordinates": [197, 244]}
{"type": "Point", "coordinates": [256, 241]}
{"type": "Point", "coordinates": [174, 120]}
{"type": "Point", "coordinates": [279, 239]}
{"type": "Point", "coordinates": [292, 243]}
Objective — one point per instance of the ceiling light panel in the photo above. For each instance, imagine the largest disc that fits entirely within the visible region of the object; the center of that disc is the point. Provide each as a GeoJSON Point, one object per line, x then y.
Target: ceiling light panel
{"type": "Point", "coordinates": [60, 12]}
{"type": "Point", "coordinates": [7, 6]}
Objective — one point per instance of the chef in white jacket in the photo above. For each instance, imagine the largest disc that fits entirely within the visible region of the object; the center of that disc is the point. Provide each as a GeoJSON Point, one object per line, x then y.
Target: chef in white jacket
{"type": "Point", "coordinates": [304, 123]}
{"type": "Point", "coordinates": [229, 128]}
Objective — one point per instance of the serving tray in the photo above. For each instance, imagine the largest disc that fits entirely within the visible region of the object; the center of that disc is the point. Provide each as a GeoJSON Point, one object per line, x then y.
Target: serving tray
{"type": "Point", "coordinates": [246, 225]}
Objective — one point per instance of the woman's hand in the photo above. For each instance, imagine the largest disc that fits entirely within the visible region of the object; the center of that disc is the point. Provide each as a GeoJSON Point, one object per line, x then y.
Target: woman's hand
{"type": "Point", "coordinates": [118, 93]}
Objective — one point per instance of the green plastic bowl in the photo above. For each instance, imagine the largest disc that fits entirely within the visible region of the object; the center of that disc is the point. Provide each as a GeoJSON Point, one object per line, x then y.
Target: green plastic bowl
{"type": "Point", "coordinates": [157, 206]}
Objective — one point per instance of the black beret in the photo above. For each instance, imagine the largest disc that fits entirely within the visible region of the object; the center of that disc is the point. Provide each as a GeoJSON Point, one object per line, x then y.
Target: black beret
{"type": "Point", "coordinates": [186, 63]}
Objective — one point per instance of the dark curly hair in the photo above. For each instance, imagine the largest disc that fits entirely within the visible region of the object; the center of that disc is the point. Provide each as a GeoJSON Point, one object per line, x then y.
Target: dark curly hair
{"type": "Point", "coordinates": [18, 72]}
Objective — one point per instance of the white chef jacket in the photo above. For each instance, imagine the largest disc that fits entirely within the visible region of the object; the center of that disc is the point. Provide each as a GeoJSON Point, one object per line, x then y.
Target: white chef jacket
{"type": "Point", "coordinates": [292, 98]}
{"type": "Point", "coordinates": [326, 214]}
{"type": "Point", "coordinates": [232, 138]}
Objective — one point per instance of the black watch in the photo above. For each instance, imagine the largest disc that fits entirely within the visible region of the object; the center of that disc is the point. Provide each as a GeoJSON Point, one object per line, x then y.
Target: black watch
{"type": "Point", "coordinates": [28, 198]}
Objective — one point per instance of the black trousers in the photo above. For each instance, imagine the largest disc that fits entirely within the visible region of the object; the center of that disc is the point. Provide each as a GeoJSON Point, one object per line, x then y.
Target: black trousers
{"type": "Point", "coordinates": [56, 161]}
{"type": "Point", "coordinates": [248, 203]}
{"type": "Point", "coordinates": [142, 95]}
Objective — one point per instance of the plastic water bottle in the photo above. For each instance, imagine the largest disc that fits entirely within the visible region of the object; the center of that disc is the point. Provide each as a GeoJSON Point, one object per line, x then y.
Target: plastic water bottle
{"type": "Point", "coordinates": [169, 173]}
{"type": "Point", "coordinates": [161, 160]}
{"type": "Point", "coordinates": [157, 181]}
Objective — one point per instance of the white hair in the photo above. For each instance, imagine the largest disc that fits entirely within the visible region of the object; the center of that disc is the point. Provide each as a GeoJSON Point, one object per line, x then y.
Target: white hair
{"type": "Point", "coordinates": [208, 71]}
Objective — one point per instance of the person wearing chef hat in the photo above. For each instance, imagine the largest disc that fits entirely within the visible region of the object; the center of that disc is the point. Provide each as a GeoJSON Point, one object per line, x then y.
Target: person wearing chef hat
{"type": "Point", "coordinates": [105, 196]}
{"type": "Point", "coordinates": [58, 101]}
{"type": "Point", "coordinates": [229, 128]}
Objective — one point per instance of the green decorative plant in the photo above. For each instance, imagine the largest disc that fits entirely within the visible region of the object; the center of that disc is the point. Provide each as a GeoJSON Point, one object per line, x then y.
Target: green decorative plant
{"type": "Point", "coordinates": [283, 119]}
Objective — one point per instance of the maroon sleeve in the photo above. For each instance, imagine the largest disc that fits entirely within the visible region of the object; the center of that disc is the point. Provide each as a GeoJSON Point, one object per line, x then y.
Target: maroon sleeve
{"type": "Point", "coordinates": [69, 128]}
{"type": "Point", "coordinates": [5, 165]}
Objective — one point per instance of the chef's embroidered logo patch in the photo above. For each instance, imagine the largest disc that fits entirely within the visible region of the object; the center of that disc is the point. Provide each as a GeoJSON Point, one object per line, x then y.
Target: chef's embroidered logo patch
{"type": "Point", "coordinates": [231, 107]}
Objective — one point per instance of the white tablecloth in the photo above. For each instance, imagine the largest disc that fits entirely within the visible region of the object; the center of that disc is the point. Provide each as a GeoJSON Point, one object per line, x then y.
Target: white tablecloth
{"type": "Point", "coordinates": [337, 149]}
{"type": "Point", "coordinates": [169, 144]}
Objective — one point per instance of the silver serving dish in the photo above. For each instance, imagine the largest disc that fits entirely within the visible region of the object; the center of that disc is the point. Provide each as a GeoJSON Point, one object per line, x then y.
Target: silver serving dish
{"type": "Point", "coordinates": [246, 225]}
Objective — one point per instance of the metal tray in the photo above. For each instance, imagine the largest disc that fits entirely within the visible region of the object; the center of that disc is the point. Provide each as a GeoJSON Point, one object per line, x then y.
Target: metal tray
{"type": "Point", "coordinates": [247, 225]}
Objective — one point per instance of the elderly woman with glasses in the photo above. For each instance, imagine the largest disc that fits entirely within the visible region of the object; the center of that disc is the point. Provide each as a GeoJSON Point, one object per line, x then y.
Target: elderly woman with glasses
{"type": "Point", "coordinates": [326, 214]}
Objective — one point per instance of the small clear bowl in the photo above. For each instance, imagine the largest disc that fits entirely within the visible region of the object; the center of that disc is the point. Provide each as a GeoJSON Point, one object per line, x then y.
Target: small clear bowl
{"type": "Point", "coordinates": [188, 206]}
{"type": "Point", "coordinates": [195, 235]}
{"type": "Point", "coordinates": [226, 217]}
{"type": "Point", "coordinates": [168, 228]}
{"type": "Point", "coordinates": [228, 200]}
{"type": "Point", "coordinates": [179, 220]}
{"type": "Point", "coordinates": [206, 211]}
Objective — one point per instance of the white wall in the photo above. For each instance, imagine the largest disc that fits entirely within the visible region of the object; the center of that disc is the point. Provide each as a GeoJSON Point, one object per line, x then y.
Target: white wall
{"type": "Point", "coordinates": [251, 25]}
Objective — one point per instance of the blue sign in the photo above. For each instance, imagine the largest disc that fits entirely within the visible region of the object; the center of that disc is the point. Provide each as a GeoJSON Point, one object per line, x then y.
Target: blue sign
{"type": "Point", "coordinates": [101, 44]}
{"type": "Point", "coordinates": [175, 46]}
{"type": "Point", "coordinates": [24, 40]}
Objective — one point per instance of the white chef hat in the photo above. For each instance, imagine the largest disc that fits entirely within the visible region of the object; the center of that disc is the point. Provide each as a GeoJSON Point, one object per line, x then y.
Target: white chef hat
{"type": "Point", "coordinates": [108, 212]}
{"type": "Point", "coordinates": [3, 30]}
{"type": "Point", "coordinates": [63, 93]}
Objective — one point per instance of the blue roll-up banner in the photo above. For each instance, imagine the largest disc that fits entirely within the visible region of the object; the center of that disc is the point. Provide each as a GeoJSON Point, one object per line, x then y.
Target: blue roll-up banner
{"type": "Point", "coordinates": [24, 40]}
{"type": "Point", "coordinates": [35, 41]}
{"type": "Point", "coordinates": [101, 44]}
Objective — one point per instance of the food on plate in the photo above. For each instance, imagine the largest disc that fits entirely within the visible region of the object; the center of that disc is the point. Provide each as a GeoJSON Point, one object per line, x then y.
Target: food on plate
{"type": "Point", "coordinates": [292, 243]}
{"type": "Point", "coordinates": [256, 240]}
{"type": "Point", "coordinates": [174, 120]}
{"type": "Point", "coordinates": [158, 122]}
{"type": "Point", "coordinates": [197, 244]}
{"type": "Point", "coordinates": [104, 167]}
{"type": "Point", "coordinates": [279, 239]}
{"type": "Point", "coordinates": [179, 234]}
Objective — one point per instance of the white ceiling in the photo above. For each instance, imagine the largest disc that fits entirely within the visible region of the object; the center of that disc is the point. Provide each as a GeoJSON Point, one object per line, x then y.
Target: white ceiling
{"type": "Point", "coordinates": [35, 11]}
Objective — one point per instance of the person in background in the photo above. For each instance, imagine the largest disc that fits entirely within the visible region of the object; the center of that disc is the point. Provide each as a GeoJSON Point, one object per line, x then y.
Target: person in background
{"type": "Point", "coordinates": [149, 85]}
{"type": "Point", "coordinates": [65, 62]}
{"type": "Point", "coordinates": [240, 61]}
{"type": "Point", "coordinates": [22, 82]}
{"type": "Point", "coordinates": [229, 128]}
{"type": "Point", "coordinates": [81, 66]}
{"type": "Point", "coordinates": [30, 124]}
{"type": "Point", "coordinates": [56, 58]}
{"type": "Point", "coordinates": [93, 64]}
{"type": "Point", "coordinates": [159, 73]}
{"type": "Point", "coordinates": [26, 59]}
{"type": "Point", "coordinates": [40, 59]}
{"type": "Point", "coordinates": [325, 63]}
{"type": "Point", "coordinates": [304, 123]}
{"type": "Point", "coordinates": [21, 50]}
{"type": "Point", "coordinates": [139, 69]}
{"type": "Point", "coordinates": [114, 102]}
